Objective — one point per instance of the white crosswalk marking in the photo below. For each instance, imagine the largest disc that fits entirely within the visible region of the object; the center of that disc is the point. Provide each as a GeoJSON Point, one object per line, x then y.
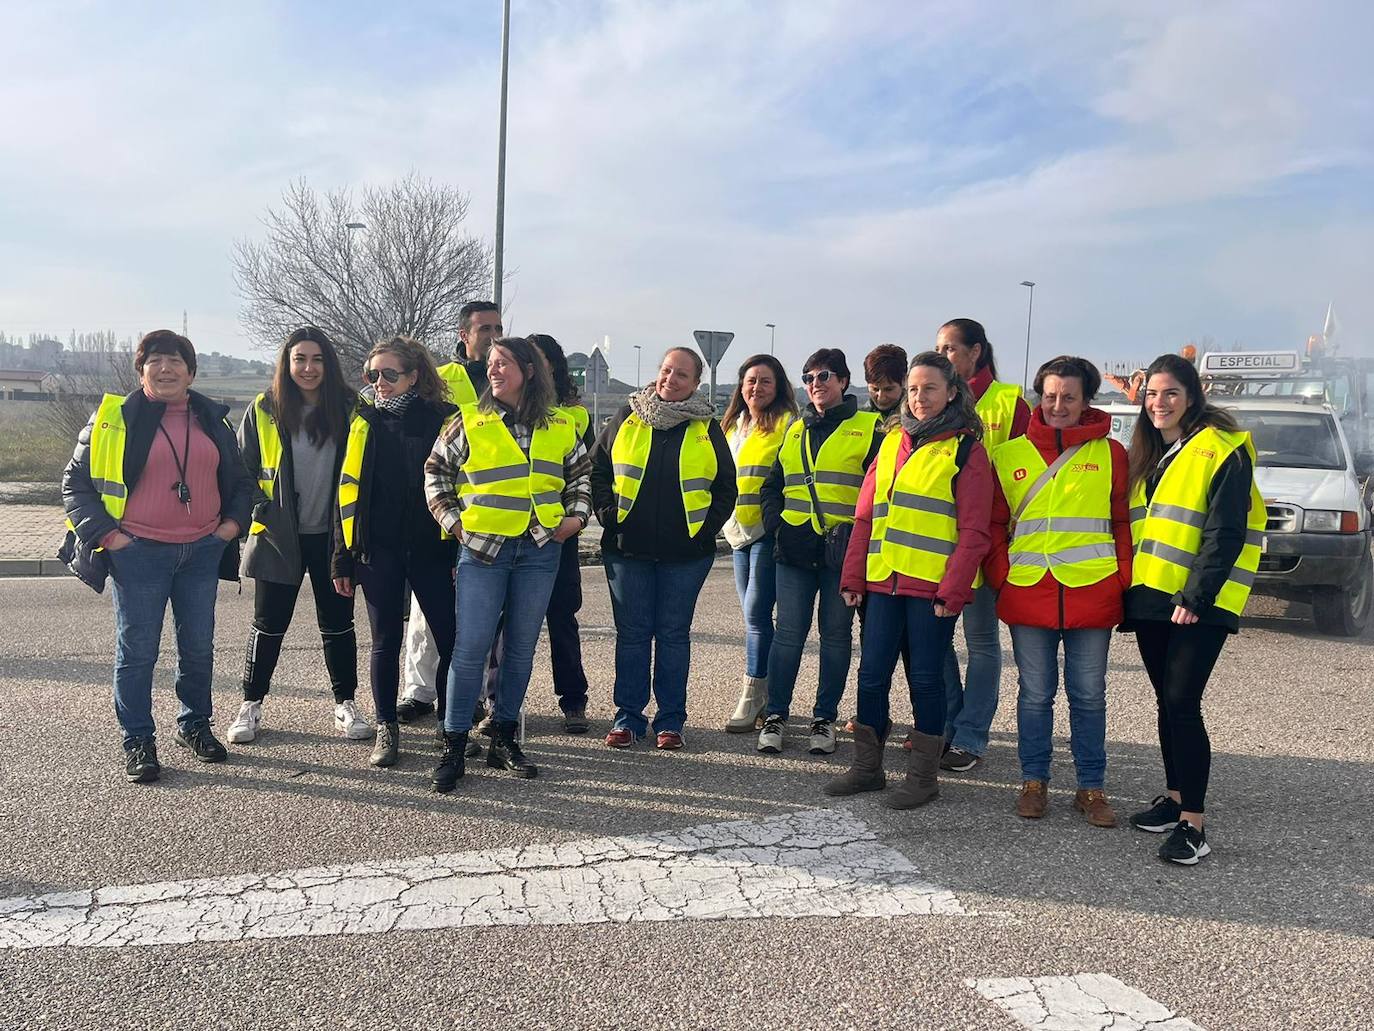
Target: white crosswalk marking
{"type": "Point", "coordinates": [1082, 1002]}
{"type": "Point", "coordinates": [813, 863]}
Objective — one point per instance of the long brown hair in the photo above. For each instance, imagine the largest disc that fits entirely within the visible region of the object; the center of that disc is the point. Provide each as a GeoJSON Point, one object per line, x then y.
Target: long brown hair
{"type": "Point", "coordinates": [416, 358]}
{"type": "Point", "coordinates": [329, 419]}
{"type": "Point", "coordinates": [538, 395]}
{"type": "Point", "coordinates": [1147, 443]}
{"type": "Point", "coordinates": [784, 403]}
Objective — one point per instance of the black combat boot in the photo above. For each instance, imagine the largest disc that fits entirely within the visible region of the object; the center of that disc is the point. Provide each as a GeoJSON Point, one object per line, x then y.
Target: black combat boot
{"type": "Point", "coordinates": [504, 752]}
{"type": "Point", "coordinates": [452, 764]}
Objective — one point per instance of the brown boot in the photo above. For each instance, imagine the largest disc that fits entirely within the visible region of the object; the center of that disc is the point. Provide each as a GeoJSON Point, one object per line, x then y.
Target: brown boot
{"type": "Point", "coordinates": [1034, 798]}
{"type": "Point", "coordinates": [867, 772]}
{"type": "Point", "coordinates": [922, 782]}
{"type": "Point", "coordinates": [1094, 805]}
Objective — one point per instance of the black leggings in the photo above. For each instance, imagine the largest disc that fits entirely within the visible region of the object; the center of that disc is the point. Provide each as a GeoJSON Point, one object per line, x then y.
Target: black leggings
{"type": "Point", "coordinates": [273, 606]}
{"type": "Point", "coordinates": [1179, 660]}
{"type": "Point", "coordinates": [383, 580]}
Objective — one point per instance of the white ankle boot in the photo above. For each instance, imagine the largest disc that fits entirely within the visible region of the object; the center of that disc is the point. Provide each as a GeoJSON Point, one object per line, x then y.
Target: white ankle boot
{"type": "Point", "coordinates": [752, 700]}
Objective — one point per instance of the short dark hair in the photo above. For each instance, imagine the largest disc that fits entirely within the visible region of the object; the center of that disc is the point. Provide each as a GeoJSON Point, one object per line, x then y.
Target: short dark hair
{"type": "Point", "coordinates": [467, 311]}
{"type": "Point", "coordinates": [831, 358]}
{"type": "Point", "coordinates": [885, 362]}
{"type": "Point", "coordinates": [1068, 365]}
{"type": "Point", "coordinates": [164, 341]}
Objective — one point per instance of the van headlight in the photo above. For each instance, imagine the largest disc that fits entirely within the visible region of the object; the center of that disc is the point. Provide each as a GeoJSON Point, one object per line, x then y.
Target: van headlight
{"type": "Point", "coordinates": [1316, 520]}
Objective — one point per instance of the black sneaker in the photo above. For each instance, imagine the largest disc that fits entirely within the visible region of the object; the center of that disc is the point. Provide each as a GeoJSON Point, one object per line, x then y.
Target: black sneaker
{"type": "Point", "coordinates": [1185, 846]}
{"type": "Point", "coordinates": [956, 760]}
{"type": "Point", "coordinates": [411, 709]}
{"type": "Point", "coordinates": [575, 721]}
{"type": "Point", "coordinates": [140, 761]}
{"type": "Point", "coordinates": [201, 740]}
{"type": "Point", "coordinates": [1161, 817]}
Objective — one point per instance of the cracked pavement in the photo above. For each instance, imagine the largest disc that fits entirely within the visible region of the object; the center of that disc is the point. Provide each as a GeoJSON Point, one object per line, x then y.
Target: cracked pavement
{"type": "Point", "coordinates": [1083, 1002]}
{"type": "Point", "coordinates": [715, 929]}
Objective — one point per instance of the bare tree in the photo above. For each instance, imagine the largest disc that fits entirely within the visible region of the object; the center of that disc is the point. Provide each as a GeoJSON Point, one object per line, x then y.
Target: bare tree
{"type": "Point", "coordinates": [106, 366]}
{"type": "Point", "coordinates": [408, 270]}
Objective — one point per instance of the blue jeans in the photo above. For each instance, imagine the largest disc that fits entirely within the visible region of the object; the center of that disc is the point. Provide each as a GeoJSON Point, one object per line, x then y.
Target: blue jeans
{"type": "Point", "coordinates": [970, 705]}
{"type": "Point", "coordinates": [887, 619]}
{"type": "Point", "coordinates": [756, 584]}
{"type": "Point", "coordinates": [1085, 684]}
{"type": "Point", "coordinates": [145, 576]}
{"type": "Point", "coordinates": [653, 604]}
{"type": "Point", "coordinates": [513, 591]}
{"type": "Point", "coordinates": [797, 593]}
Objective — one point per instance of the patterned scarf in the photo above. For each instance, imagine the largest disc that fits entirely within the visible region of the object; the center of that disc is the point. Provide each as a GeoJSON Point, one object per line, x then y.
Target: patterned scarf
{"type": "Point", "coordinates": [922, 430]}
{"type": "Point", "coordinates": [664, 415]}
{"type": "Point", "coordinates": [396, 405]}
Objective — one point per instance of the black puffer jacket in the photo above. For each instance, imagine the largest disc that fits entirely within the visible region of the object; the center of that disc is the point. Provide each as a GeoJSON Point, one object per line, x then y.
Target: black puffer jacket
{"type": "Point", "coordinates": [800, 545]}
{"type": "Point", "coordinates": [87, 513]}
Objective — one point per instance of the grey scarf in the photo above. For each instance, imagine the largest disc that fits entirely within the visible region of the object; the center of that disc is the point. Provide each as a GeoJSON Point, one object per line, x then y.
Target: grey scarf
{"type": "Point", "coordinates": [664, 415]}
{"type": "Point", "coordinates": [922, 431]}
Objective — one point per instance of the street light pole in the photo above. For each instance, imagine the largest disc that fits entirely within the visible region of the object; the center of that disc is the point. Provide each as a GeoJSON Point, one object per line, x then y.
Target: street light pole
{"type": "Point", "coordinates": [1030, 306]}
{"type": "Point", "coordinates": [497, 271]}
{"type": "Point", "coordinates": [772, 336]}
{"type": "Point", "coordinates": [638, 355]}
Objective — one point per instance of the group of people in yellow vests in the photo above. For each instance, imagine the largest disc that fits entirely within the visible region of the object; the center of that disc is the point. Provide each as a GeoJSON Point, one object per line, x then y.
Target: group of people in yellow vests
{"type": "Point", "coordinates": [453, 496]}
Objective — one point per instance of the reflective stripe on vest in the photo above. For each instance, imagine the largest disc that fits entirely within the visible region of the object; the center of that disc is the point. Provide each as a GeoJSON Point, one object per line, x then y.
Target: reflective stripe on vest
{"type": "Point", "coordinates": [1168, 531]}
{"type": "Point", "coordinates": [107, 455]}
{"type": "Point", "coordinates": [837, 470]}
{"type": "Point", "coordinates": [696, 467]}
{"type": "Point", "coordinates": [350, 475]}
{"type": "Point", "coordinates": [997, 409]}
{"type": "Point", "coordinates": [1066, 530]}
{"type": "Point", "coordinates": [915, 524]}
{"type": "Point", "coordinates": [498, 483]}
{"type": "Point", "coordinates": [460, 390]}
{"type": "Point", "coordinates": [757, 453]}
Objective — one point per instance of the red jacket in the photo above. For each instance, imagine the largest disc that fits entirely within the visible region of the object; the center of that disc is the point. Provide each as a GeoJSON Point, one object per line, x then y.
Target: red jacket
{"type": "Point", "coordinates": [973, 504]}
{"type": "Point", "coordinates": [979, 385]}
{"type": "Point", "coordinates": [1048, 603]}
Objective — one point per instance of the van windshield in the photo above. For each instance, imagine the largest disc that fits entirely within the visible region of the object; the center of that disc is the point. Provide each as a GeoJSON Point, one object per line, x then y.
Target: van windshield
{"type": "Point", "coordinates": [1293, 440]}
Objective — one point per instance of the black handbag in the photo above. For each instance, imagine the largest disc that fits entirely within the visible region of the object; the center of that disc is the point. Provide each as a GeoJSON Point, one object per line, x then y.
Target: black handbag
{"type": "Point", "coordinates": [836, 537]}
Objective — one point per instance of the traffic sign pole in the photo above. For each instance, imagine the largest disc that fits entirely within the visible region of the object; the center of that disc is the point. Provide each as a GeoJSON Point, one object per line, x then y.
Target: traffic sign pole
{"type": "Point", "coordinates": [713, 344]}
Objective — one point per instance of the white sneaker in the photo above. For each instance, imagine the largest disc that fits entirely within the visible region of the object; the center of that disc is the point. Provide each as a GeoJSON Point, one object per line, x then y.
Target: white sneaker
{"type": "Point", "coordinates": [245, 726]}
{"type": "Point", "coordinates": [822, 737]}
{"type": "Point", "coordinates": [770, 737]}
{"type": "Point", "coordinates": [349, 723]}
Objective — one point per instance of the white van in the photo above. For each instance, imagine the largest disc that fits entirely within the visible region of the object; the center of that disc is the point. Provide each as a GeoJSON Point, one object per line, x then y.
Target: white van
{"type": "Point", "coordinates": [1317, 537]}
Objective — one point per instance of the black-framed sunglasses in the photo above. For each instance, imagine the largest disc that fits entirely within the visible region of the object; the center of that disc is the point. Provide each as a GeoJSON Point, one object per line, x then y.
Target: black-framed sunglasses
{"type": "Point", "coordinates": [391, 375]}
{"type": "Point", "coordinates": [824, 376]}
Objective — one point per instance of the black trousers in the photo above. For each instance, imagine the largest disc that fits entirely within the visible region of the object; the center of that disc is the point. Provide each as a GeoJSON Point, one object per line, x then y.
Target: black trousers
{"type": "Point", "coordinates": [383, 579]}
{"type": "Point", "coordinates": [565, 640]}
{"type": "Point", "coordinates": [273, 606]}
{"type": "Point", "coordinates": [1179, 660]}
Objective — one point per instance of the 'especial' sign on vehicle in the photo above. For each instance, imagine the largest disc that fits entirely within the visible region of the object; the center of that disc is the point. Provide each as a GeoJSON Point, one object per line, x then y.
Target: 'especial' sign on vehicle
{"type": "Point", "coordinates": [1251, 361]}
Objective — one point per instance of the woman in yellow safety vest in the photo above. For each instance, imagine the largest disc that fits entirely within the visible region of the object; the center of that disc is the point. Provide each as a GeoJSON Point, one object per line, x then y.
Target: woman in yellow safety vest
{"type": "Point", "coordinates": [1197, 519]}
{"type": "Point", "coordinates": [663, 484]}
{"type": "Point", "coordinates": [920, 535]}
{"type": "Point", "coordinates": [509, 478]}
{"type": "Point", "coordinates": [972, 701]}
{"type": "Point", "coordinates": [292, 438]}
{"type": "Point", "coordinates": [1060, 562]}
{"type": "Point", "coordinates": [808, 504]}
{"type": "Point", "coordinates": [384, 536]}
{"type": "Point", "coordinates": [760, 410]}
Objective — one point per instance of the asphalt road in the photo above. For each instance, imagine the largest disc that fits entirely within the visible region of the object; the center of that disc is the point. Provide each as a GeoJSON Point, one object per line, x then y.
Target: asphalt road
{"type": "Point", "coordinates": [1274, 930]}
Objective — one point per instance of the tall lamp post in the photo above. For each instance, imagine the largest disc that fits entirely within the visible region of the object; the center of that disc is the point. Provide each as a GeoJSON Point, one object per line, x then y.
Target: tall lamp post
{"type": "Point", "coordinates": [772, 336]}
{"type": "Point", "coordinates": [497, 269]}
{"type": "Point", "coordinates": [1030, 306]}
{"type": "Point", "coordinates": [638, 355]}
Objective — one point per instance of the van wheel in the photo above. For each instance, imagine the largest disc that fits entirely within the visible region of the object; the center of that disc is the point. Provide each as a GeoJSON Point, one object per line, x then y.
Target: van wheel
{"type": "Point", "coordinates": [1344, 612]}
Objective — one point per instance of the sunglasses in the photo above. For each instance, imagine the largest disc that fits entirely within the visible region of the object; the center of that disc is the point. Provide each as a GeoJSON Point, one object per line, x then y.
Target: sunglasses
{"type": "Point", "coordinates": [824, 376]}
{"type": "Point", "coordinates": [391, 375]}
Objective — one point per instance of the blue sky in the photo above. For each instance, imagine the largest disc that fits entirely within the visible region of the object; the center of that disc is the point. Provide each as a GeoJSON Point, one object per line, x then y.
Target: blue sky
{"type": "Point", "coordinates": [854, 172]}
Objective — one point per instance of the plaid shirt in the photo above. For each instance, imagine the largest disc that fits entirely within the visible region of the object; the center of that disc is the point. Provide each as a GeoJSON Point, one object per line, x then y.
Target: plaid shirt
{"type": "Point", "coordinates": [444, 471]}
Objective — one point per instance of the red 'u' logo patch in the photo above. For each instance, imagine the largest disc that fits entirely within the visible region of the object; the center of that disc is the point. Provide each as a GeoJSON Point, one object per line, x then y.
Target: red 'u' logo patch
{"type": "Point", "coordinates": [1020, 474]}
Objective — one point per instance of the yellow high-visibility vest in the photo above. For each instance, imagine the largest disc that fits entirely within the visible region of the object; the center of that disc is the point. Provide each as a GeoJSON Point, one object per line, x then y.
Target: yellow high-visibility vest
{"type": "Point", "coordinates": [460, 389]}
{"type": "Point", "coordinates": [915, 523]}
{"type": "Point", "coordinates": [1168, 531]}
{"type": "Point", "coordinates": [837, 472]}
{"type": "Point", "coordinates": [350, 475]}
{"type": "Point", "coordinates": [581, 418]}
{"type": "Point", "coordinates": [696, 467]}
{"type": "Point", "coordinates": [269, 453]}
{"type": "Point", "coordinates": [1066, 529]}
{"type": "Point", "coordinates": [107, 454]}
{"type": "Point", "coordinates": [756, 455]}
{"type": "Point", "coordinates": [500, 485]}
{"type": "Point", "coordinates": [997, 409]}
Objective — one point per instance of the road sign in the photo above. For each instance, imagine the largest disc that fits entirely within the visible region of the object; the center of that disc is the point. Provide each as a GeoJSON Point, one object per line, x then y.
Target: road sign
{"type": "Point", "coordinates": [713, 344]}
{"type": "Point", "coordinates": [598, 372]}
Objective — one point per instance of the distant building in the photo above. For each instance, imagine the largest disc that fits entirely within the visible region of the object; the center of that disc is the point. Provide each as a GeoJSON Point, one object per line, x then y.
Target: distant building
{"type": "Point", "coordinates": [25, 384]}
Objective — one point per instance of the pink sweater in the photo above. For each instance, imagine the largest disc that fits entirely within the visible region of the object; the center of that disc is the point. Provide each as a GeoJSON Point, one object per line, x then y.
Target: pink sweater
{"type": "Point", "coordinates": [153, 511]}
